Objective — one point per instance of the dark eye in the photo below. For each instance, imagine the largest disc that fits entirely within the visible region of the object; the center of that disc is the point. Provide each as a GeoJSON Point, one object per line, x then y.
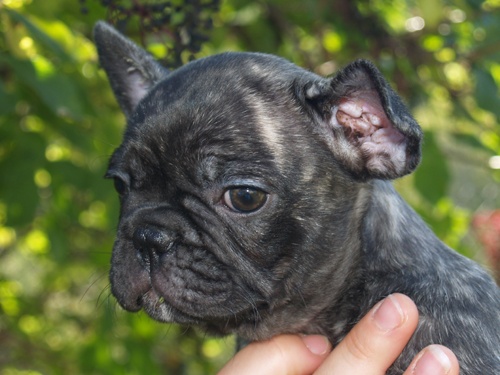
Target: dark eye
{"type": "Point", "coordinates": [120, 185]}
{"type": "Point", "coordinates": [245, 199]}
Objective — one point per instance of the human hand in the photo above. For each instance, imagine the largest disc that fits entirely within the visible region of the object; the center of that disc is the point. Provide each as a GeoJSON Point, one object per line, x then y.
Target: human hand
{"type": "Point", "coordinates": [369, 349]}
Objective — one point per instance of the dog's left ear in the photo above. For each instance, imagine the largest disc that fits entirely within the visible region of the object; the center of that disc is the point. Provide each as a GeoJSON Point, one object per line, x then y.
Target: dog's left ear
{"type": "Point", "coordinates": [132, 72]}
{"type": "Point", "coordinates": [365, 123]}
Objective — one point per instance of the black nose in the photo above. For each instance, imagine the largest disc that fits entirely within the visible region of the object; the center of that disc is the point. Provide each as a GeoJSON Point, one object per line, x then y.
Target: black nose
{"type": "Point", "coordinates": [150, 242]}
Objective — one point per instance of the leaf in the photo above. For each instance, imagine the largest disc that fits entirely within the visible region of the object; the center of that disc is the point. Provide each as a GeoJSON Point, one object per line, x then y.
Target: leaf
{"type": "Point", "coordinates": [431, 12]}
{"type": "Point", "coordinates": [486, 91]}
{"type": "Point", "coordinates": [40, 36]}
{"type": "Point", "coordinates": [7, 100]}
{"type": "Point", "coordinates": [471, 141]}
{"type": "Point", "coordinates": [57, 91]}
{"type": "Point", "coordinates": [17, 186]}
{"type": "Point", "coordinates": [432, 176]}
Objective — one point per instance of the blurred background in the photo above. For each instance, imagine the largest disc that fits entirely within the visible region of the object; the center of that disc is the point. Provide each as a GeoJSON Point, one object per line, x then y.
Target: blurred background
{"type": "Point", "coordinates": [59, 123]}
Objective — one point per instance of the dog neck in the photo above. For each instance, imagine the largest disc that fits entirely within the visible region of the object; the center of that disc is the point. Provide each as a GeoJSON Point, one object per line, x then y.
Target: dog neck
{"type": "Point", "coordinates": [394, 243]}
{"type": "Point", "coordinates": [395, 238]}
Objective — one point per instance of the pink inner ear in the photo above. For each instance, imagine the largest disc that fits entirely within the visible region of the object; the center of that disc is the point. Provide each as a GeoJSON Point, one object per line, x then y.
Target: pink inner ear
{"type": "Point", "coordinates": [361, 115]}
{"type": "Point", "coordinates": [368, 128]}
{"type": "Point", "coordinates": [138, 87]}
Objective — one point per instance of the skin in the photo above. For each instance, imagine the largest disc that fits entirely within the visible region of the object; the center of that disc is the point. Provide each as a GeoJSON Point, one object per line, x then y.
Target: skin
{"type": "Point", "coordinates": [369, 349]}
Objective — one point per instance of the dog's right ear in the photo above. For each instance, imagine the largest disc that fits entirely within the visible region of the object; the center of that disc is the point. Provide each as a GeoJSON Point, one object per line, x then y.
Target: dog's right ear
{"type": "Point", "coordinates": [365, 123]}
{"type": "Point", "coordinates": [132, 72]}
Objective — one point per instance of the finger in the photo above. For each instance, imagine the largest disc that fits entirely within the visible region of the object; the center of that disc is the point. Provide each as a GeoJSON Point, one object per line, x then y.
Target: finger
{"type": "Point", "coordinates": [434, 360]}
{"type": "Point", "coordinates": [281, 355]}
{"type": "Point", "coordinates": [376, 341]}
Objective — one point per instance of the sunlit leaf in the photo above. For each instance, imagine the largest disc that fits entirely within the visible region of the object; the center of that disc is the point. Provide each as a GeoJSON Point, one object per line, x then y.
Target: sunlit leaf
{"type": "Point", "coordinates": [39, 35]}
{"type": "Point", "coordinates": [433, 42]}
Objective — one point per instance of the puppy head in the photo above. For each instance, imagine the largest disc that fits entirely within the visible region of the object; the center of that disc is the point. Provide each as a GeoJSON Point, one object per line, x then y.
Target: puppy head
{"type": "Point", "coordinates": [239, 178]}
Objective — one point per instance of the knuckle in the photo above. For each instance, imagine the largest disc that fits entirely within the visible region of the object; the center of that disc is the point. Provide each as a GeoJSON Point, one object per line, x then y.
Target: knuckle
{"type": "Point", "coordinates": [277, 351]}
{"type": "Point", "coordinates": [358, 347]}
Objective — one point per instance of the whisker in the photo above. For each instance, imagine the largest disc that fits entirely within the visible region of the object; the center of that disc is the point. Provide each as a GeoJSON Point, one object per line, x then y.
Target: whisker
{"type": "Point", "coordinates": [107, 288]}
{"type": "Point", "coordinates": [96, 280]}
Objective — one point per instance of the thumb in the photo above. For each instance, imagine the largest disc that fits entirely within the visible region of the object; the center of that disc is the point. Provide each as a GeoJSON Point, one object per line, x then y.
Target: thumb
{"type": "Point", "coordinates": [281, 355]}
{"type": "Point", "coordinates": [377, 340]}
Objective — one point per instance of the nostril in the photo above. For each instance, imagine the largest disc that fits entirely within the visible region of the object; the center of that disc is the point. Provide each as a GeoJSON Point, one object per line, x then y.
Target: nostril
{"type": "Point", "coordinates": [150, 240]}
{"type": "Point", "coordinates": [142, 237]}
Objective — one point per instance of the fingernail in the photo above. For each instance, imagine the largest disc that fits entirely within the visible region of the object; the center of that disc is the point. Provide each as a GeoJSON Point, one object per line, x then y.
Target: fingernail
{"type": "Point", "coordinates": [317, 344]}
{"type": "Point", "coordinates": [389, 314]}
{"type": "Point", "coordinates": [432, 361]}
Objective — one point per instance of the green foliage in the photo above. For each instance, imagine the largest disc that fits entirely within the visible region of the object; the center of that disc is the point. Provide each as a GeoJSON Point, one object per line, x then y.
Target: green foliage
{"type": "Point", "coordinates": [59, 123]}
{"type": "Point", "coordinates": [432, 168]}
{"type": "Point", "coordinates": [178, 27]}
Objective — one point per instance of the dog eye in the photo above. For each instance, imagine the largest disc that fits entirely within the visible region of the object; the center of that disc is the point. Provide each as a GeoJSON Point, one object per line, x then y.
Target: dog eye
{"type": "Point", "coordinates": [245, 199]}
{"type": "Point", "coordinates": [120, 185]}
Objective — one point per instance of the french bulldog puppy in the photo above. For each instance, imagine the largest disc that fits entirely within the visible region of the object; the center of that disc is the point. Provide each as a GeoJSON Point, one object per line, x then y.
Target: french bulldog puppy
{"type": "Point", "coordinates": [255, 200]}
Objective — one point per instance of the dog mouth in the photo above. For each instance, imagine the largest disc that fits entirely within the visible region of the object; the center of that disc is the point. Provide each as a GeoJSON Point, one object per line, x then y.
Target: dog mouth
{"type": "Point", "coordinates": [157, 308]}
{"type": "Point", "coordinates": [160, 310]}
